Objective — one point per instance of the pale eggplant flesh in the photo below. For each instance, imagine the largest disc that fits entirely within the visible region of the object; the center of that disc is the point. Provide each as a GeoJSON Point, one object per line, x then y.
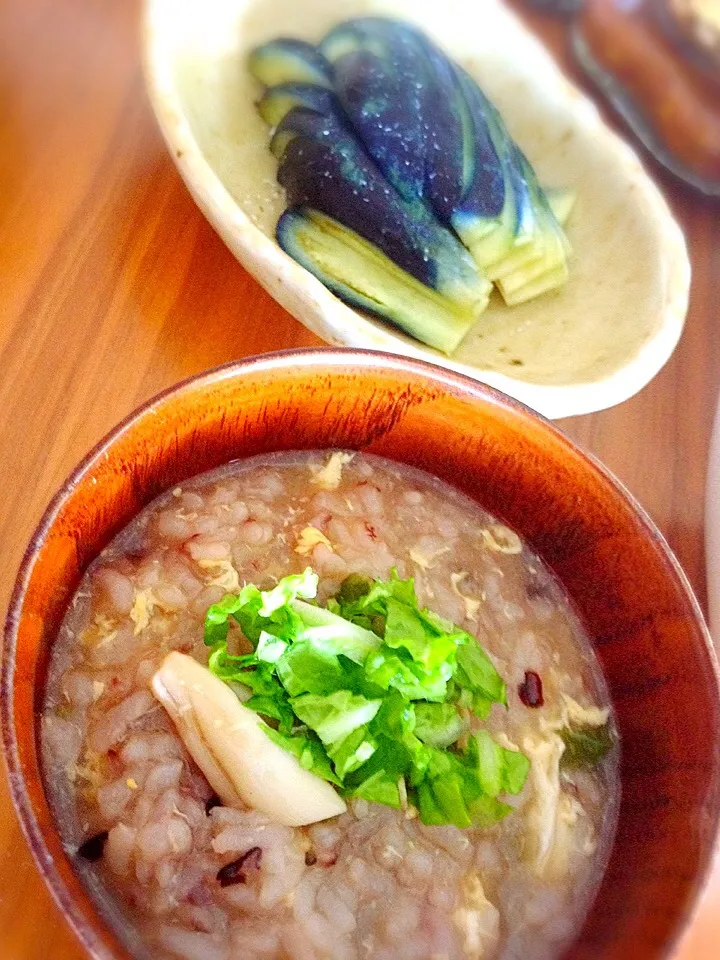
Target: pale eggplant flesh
{"type": "Point", "coordinates": [289, 61]}
{"type": "Point", "coordinates": [366, 278]}
{"type": "Point", "coordinates": [278, 101]}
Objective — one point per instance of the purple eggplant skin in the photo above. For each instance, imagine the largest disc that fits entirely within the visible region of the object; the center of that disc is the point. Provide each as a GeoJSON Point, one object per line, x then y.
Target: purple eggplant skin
{"type": "Point", "coordinates": [289, 61]}
{"type": "Point", "coordinates": [324, 167]}
{"type": "Point", "coordinates": [485, 189]}
{"type": "Point", "coordinates": [498, 185]}
{"type": "Point", "coordinates": [384, 100]}
{"type": "Point", "coordinates": [406, 100]}
{"type": "Point", "coordinates": [453, 146]}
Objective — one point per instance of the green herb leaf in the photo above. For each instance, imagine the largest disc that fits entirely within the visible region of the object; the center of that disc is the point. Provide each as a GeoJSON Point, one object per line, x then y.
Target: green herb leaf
{"type": "Point", "coordinates": [270, 648]}
{"type": "Point", "coordinates": [227, 667]}
{"type": "Point", "coordinates": [517, 767]}
{"type": "Point", "coordinates": [290, 588]}
{"type": "Point", "coordinates": [498, 770]}
{"type": "Point", "coordinates": [305, 669]}
{"type": "Point", "coordinates": [216, 619]}
{"type": "Point", "coordinates": [586, 746]}
{"type": "Point", "coordinates": [404, 627]}
{"type": "Point", "coordinates": [388, 668]}
{"type": "Point", "coordinates": [449, 797]}
{"type": "Point", "coordinates": [374, 600]}
{"type": "Point", "coordinates": [477, 672]}
{"type": "Point", "coordinates": [251, 607]}
{"type": "Point", "coordinates": [351, 753]}
{"type": "Point", "coordinates": [395, 724]}
{"type": "Point", "coordinates": [275, 709]}
{"type": "Point", "coordinates": [379, 787]}
{"type": "Point", "coordinates": [333, 633]}
{"type": "Point", "coordinates": [353, 587]}
{"type": "Point", "coordinates": [428, 806]}
{"type": "Point", "coordinates": [487, 811]}
{"type": "Point", "coordinates": [390, 757]}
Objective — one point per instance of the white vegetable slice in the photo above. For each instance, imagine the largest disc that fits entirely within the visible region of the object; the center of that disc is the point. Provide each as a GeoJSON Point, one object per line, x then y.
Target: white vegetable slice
{"type": "Point", "coordinates": [227, 742]}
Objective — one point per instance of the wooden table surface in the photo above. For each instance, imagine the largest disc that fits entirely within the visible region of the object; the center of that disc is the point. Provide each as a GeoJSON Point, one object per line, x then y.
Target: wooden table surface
{"type": "Point", "coordinates": [112, 286]}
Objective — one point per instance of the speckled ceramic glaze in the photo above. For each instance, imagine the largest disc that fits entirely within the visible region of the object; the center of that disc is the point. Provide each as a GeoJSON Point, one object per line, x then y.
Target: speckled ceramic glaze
{"type": "Point", "coordinates": [634, 600]}
{"type": "Point", "coordinates": [590, 345]}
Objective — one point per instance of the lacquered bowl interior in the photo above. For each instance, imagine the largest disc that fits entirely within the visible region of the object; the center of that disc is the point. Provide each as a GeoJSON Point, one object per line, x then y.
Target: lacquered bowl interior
{"type": "Point", "coordinates": [628, 589]}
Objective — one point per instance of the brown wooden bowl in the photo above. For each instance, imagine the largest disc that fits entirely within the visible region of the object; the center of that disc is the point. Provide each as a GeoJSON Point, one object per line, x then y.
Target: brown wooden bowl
{"type": "Point", "coordinates": [629, 590]}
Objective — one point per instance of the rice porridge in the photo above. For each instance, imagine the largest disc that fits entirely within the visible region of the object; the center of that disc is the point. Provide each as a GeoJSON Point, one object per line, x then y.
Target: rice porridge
{"type": "Point", "coordinates": [188, 876]}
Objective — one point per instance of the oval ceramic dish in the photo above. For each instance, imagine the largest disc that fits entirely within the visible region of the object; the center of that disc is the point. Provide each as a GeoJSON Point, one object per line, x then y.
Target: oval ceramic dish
{"type": "Point", "coordinates": [635, 602]}
{"type": "Point", "coordinates": [588, 346]}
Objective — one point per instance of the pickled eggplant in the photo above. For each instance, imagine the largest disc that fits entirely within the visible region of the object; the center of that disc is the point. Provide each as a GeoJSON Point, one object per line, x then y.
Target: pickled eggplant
{"type": "Point", "coordinates": [289, 61]}
{"type": "Point", "coordinates": [407, 195]}
{"type": "Point", "coordinates": [541, 265]}
{"type": "Point", "coordinates": [491, 238]}
{"type": "Point", "coordinates": [278, 101]}
{"type": "Point", "coordinates": [383, 81]}
{"type": "Point", "coordinates": [436, 136]}
{"type": "Point", "coordinates": [323, 167]}
{"type": "Point", "coordinates": [405, 99]}
{"type": "Point", "coordinates": [364, 277]}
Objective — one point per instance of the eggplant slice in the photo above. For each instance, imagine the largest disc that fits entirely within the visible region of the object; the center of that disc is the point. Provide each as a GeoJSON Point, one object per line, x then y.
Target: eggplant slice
{"type": "Point", "coordinates": [407, 194]}
{"type": "Point", "coordinates": [289, 61]}
{"type": "Point", "coordinates": [361, 275]}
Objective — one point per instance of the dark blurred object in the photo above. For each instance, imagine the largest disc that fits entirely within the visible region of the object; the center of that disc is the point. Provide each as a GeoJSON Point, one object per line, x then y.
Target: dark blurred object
{"type": "Point", "coordinates": [695, 26]}
{"type": "Point", "coordinates": [658, 63]}
{"type": "Point", "coordinates": [560, 7]}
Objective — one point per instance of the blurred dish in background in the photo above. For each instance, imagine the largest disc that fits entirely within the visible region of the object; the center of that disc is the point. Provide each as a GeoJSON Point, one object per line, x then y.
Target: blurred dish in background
{"type": "Point", "coordinates": [658, 63]}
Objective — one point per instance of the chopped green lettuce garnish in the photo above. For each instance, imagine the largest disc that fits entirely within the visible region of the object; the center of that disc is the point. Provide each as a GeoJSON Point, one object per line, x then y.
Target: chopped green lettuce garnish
{"type": "Point", "coordinates": [477, 673]}
{"type": "Point", "coordinates": [307, 669]}
{"type": "Point", "coordinates": [309, 751]}
{"type": "Point", "coordinates": [275, 708]}
{"type": "Point", "coordinates": [372, 693]}
{"type": "Point", "coordinates": [379, 787]}
{"type": "Point", "coordinates": [335, 716]}
{"type": "Point", "coordinates": [498, 770]}
{"type": "Point", "coordinates": [388, 668]}
{"type": "Point", "coordinates": [438, 724]}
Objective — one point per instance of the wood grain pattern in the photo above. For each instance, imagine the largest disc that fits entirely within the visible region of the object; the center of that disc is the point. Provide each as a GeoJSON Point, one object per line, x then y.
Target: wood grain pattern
{"type": "Point", "coordinates": [113, 287]}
